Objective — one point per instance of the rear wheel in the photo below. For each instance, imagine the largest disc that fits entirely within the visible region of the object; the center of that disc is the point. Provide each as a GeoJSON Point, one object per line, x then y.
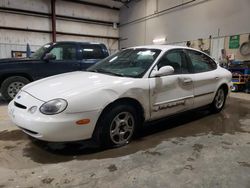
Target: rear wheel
{"type": "Point", "coordinates": [219, 100]}
{"type": "Point", "coordinates": [117, 126]}
{"type": "Point", "coordinates": [12, 85]}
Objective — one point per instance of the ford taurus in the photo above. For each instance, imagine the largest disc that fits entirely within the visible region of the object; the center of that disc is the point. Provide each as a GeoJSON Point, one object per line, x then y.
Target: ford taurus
{"type": "Point", "coordinates": [112, 99]}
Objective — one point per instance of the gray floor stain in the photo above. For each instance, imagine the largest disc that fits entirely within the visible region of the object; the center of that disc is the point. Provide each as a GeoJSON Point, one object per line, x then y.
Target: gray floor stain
{"type": "Point", "coordinates": [197, 147]}
{"type": "Point", "coordinates": [189, 167]}
{"type": "Point", "coordinates": [152, 153]}
{"type": "Point", "coordinates": [227, 143]}
{"type": "Point", "coordinates": [245, 164]}
{"type": "Point", "coordinates": [112, 168]}
{"type": "Point", "coordinates": [47, 180]}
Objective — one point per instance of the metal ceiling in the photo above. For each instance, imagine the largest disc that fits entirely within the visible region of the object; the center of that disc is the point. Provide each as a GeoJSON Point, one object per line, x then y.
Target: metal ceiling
{"type": "Point", "coordinates": [110, 3]}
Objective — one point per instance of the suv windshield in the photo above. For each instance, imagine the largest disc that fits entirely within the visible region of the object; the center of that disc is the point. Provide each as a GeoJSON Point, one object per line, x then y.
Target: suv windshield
{"type": "Point", "coordinates": [40, 52]}
{"type": "Point", "coordinates": [128, 63]}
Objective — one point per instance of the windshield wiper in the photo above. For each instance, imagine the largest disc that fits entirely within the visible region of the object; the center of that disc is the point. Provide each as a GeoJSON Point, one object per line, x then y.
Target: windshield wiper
{"type": "Point", "coordinates": [106, 71]}
{"type": "Point", "coordinates": [89, 70]}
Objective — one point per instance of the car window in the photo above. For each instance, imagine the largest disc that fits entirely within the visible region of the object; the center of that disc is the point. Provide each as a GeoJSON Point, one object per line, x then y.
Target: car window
{"type": "Point", "coordinates": [64, 52]}
{"type": "Point", "coordinates": [176, 59]}
{"type": "Point", "coordinates": [92, 52]}
{"type": "Point", "coordinates": [201, 62]}
{"type": "Point", "coordinates": [128, 63]}
{"type": "Point", "coordinates": [40, 52]}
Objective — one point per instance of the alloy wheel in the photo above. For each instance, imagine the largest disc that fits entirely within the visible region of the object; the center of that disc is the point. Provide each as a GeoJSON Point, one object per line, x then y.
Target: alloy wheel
{"type": "Point", "coordinates": [220, 99]}
{"type": "Point", "coordinates": [122, 128]}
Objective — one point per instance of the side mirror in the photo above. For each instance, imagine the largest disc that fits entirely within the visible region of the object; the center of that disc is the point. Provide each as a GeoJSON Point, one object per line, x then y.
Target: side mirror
{"type": "Point", "coordinates": [49, 56]}
{"type": "Point", "coordinates": [164, 71]}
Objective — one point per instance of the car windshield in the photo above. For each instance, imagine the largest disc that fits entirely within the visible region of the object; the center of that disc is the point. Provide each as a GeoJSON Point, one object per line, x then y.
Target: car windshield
{"type": "Point", "coordinates": [127, 63]}
{"type": "Point", "coordinates": [40, 52]}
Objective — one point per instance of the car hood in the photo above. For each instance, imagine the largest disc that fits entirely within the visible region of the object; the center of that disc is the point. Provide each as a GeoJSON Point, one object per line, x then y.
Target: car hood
{"type": "Point", "coordinates": [15, 60]}
{"type": "Point", "coordinates": [72, 84]}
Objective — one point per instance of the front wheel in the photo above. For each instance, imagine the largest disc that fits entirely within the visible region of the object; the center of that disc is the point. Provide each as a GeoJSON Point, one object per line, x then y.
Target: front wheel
{"type": "Point", "coordinates": [117, 126]}
{"type": "Point", "coordinates": [219, 101]}
{"type": "Point", "coordinates": [12, 85]}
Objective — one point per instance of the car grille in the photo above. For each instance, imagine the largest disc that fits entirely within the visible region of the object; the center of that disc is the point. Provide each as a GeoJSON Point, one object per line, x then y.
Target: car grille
{"type": "Point", "coordinates": [19, 105]}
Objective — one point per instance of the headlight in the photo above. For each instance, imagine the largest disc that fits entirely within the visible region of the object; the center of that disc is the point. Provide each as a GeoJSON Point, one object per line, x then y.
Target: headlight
{"type": "Point", "coordinates": [54, 106]}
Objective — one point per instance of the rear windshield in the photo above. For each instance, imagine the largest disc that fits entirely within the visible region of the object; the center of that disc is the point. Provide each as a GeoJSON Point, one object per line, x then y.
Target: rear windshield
{"type": "Point", "coordinates": [92, 51]}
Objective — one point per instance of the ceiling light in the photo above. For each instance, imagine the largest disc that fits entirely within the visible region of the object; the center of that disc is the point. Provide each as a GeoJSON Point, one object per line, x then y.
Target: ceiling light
{"type": "Point", "coordinates": [160, 40]}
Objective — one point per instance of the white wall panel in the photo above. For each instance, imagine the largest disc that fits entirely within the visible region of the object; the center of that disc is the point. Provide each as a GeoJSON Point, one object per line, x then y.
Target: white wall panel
{"type": "Point", "coordinates": [198, 20]}
{"type": "Point", "coordinates": [22, 37]}
{"type": "Point", "coordinates": [34, 5]}
{"type": "Point", "coordinates": [166, 4]}
{"type": "Point", "coordinates": [89, 29]}
{"type": "Point", "coordinates": [85, 11]}
{"type": "Point", "coordinates": [110, 3]}
{"type": "Point", "coordinates": [17, 40]}
{"type": "Point", "coordinates": [23, 21]}
{"type": "Point", "coordinates": [135, 10]}
{"type": "Point", "coordinates": [151, 7]}
{"type": "Point", "coordinates": [132, 35]}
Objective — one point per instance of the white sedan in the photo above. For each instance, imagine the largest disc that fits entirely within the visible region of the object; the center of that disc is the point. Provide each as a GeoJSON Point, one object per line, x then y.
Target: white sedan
{"type": "Point", "coordinates": [111, 100]}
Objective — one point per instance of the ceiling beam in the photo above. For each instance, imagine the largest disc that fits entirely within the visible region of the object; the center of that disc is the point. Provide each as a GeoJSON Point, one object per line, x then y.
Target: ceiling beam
{"type": "Point", "coordinates": [53, 19]}
{"type": "Point", "coordinates": [93, 4]}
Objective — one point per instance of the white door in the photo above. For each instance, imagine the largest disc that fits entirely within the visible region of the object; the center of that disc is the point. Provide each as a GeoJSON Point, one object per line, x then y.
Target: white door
{"type": "Point", "coordinates": [217, 46]}
{"type": "Point", "coordinates": [172, 93]}
{"type": "Point", "coordinates": [205, 77]}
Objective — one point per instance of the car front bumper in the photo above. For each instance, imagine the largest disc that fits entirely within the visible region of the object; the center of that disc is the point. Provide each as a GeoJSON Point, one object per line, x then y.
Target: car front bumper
{"type": "Point", "coordinates": [55, 128]}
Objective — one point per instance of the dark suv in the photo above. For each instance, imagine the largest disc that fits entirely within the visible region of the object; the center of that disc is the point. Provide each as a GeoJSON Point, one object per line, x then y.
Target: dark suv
{"type": "Point", "coordinates": [50, 59]}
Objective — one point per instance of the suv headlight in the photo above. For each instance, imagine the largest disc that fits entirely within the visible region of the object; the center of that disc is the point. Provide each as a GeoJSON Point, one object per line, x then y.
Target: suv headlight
{"type": "Point", "coordinates": [54, 106]}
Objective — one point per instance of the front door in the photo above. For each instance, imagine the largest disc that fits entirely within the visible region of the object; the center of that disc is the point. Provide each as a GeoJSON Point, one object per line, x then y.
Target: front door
{"type": "Point", "coordinates": [172, 93]}
{"type": "Point", "coordinates": [66, 60]}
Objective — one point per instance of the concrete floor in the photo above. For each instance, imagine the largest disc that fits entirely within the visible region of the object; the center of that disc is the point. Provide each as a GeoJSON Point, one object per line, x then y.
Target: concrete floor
{"type": "Point", "coordinates": [195, 149]}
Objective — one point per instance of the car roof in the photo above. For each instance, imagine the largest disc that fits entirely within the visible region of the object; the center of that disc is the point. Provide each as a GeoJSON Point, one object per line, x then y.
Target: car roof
{"type": "Point", "coordinates": [74, 42]}
{"type": "Point", "coordinates": [163, 47]}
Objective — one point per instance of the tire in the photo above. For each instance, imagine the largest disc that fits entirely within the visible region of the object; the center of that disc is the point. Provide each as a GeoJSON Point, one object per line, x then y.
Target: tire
{"type": "Point", "coordinates": [12, 85]}
{"type": "Point", "coordinates": [219, 100]}
{"type": "Point", "coordinates": [113, 129]}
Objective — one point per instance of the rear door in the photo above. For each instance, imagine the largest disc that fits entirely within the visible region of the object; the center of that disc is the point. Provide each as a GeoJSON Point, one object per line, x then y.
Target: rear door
{"type": "Point", "coordinates": [205, 77]}
{"type": "Point", "coordinates": [172, 93]}
{"type": "Point", "coordinates": [91, 54]}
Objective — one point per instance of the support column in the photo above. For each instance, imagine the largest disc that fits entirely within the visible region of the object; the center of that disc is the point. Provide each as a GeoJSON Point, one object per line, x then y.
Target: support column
{"type": "Point", "coordinates": [53, 19]}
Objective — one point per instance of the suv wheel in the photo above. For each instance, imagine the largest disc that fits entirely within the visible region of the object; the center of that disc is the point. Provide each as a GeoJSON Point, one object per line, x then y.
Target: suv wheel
{"type": "Point", "coordinates": [12, 85]}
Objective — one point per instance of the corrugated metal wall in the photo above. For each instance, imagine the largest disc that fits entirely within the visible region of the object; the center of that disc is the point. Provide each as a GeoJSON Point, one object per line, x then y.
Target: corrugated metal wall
{"type": "Point", "coordinates": [17, 40]}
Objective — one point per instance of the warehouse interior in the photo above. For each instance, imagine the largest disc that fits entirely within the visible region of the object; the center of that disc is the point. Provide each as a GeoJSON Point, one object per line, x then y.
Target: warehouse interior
{"type": "Point", "coordinates": [192, 149]}
{"type": "Point", "coordinates": [115, 24]}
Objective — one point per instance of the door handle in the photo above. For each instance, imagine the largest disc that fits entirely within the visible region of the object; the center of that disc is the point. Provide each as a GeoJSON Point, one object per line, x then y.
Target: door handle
{"type": "Point", "coordinates": [216, 78]}
{"type": "Point", "coordinates": [186, 81]}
